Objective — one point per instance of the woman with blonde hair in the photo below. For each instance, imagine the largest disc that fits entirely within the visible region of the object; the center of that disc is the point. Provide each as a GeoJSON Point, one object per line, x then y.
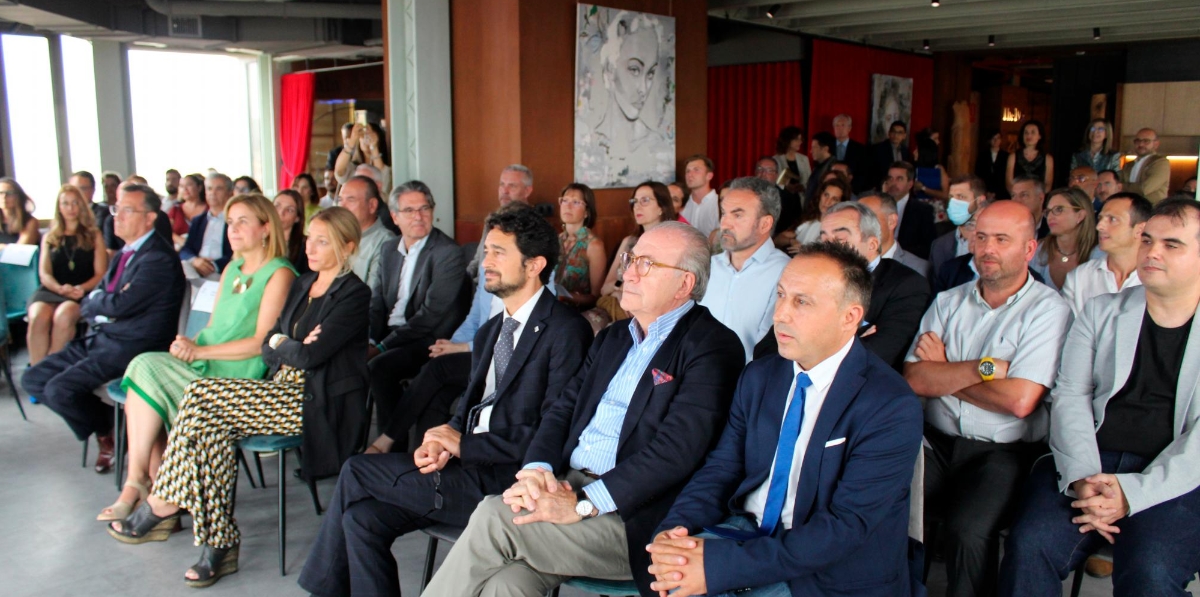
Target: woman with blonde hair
{"type": "Point", "coordinates": [69, 267]}
{"type": "Point", "coordinates": [1097, 150]}
{"type": "Point", "coordinates": [1072, 238]}
{"type": "Point", "coordinates": [317, 353]}
{"type": "Point", "coordinates": [252, 292]}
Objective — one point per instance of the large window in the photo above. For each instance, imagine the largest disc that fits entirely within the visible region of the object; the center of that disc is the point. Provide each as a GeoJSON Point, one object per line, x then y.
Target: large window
{"type": "Point", "coordinates": [31, 115]}
{"type": "Point", "coordinates": [83, 124]}
{"type": "Point", "coordinates": [190, 112]}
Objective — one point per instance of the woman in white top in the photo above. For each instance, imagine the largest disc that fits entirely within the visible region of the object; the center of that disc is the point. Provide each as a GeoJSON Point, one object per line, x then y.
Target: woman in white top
{"type": "Point", "coordinates": [832, 191]}
{"type": "Point", "coordinates": [1072, 239]}
{"type": "Point", "coordinates": [787, 150]}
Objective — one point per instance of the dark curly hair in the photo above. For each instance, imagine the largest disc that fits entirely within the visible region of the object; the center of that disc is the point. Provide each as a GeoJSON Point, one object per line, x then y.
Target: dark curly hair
{"type": "Point", "coordinates": [535, 236]}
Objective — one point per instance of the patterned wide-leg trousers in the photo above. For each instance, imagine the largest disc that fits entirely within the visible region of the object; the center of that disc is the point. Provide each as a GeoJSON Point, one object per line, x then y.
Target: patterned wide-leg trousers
{"type": "Point", "coordinates": [199, 467]}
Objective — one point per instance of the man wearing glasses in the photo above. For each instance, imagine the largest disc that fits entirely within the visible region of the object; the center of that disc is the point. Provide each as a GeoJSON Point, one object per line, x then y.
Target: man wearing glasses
{"type": "Point", "coordinates": [1150, 173]}
{"type": "Point", "coordinates": [523, 357]}
{"type": "Point", "coordinates": [135, 309]}
{"type": "Point", "coordinates": [420, 294]}
{"type": "Point", "coordinates": [618, 444]}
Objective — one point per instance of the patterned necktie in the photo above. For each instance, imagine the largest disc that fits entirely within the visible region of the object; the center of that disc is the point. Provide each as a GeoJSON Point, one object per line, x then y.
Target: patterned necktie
{"type": "Point", "coordinates": [116, 277]}
{"type": "Point", "coordinates": [782, 472]}
{"type": "Point", "coordinates": [500, 357]}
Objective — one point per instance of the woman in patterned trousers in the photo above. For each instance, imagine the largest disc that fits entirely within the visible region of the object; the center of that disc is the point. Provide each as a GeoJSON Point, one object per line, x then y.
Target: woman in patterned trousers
{"type": "Point", "coordinates": [316, 388]}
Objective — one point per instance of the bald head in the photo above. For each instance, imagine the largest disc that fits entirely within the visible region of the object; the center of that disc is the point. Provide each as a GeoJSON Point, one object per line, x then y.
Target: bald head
{"type": "Point", "coordinates": [1005, 241]}
{"type": "Point", "coordinates": [1011, 216]}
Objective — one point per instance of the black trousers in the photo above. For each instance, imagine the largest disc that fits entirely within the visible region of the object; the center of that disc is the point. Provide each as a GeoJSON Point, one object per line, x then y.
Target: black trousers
{"type": "Point", "coordinates": [389, 369]}
{"type": "Point", "coordinates": [378, 498]}
{"type": "Point", "coordinates": [66, 381]}
{"type": "Point", "coordinates": [973, 486]}
{"type": "Point", "coordinates": [428, 399]}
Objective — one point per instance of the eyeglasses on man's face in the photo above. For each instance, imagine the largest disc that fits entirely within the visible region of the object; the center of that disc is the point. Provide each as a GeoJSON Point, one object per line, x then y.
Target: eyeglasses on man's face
{"type": "Point", "coordinates": [124, 211]}
{"type": "Point", "coordinates": [642, 264]}
{"type": "Point", "coordinates": [412, 212]}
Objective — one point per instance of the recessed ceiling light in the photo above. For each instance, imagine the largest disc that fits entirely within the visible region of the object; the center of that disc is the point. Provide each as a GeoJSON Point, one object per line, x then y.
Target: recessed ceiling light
{"type": "Point", "coordinates": [774, 10]}
{"type": "Point", "coordinates": [991, 41]}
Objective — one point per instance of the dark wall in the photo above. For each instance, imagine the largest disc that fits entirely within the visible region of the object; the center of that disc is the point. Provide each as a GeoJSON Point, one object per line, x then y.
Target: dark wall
{"type": "Point", "coordinates": [1076, 79]}
{"type": "Point", "coordinates": [1163, 62]}
{"type": "Point", "coordinates": [732, 42]}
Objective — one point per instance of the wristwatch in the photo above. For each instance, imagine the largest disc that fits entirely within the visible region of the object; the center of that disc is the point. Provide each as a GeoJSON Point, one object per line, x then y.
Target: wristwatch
{"type": "Point", "coordinates": [987, 368]}
{"type": "Point", "coordinates": [584, 507]}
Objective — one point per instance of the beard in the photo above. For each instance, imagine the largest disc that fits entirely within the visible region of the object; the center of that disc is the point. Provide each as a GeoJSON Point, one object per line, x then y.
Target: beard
{"type": "Point", "coordinates": [501, 288]}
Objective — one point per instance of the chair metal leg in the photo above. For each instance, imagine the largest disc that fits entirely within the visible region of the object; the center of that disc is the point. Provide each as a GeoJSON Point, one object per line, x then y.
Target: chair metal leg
{"type": "Point", "coordinates": [282, 511]}
{"type": "Point", "coordinates": [430, 557]}
{"type": "Point", "coordinates": [83, 463]}
{"type": "Point", "coordinates": [1077, 582]}
{"type": "Point", "coordinates": [245, 466]}
{"type": "Point", "coordinates": [312, 488]}
{"type": "Point", "coordinates": [119, 440]}
{"type": "Point", "coordinates": [7, 364]}
{"type": "Point", "coordinates": [258, 462]}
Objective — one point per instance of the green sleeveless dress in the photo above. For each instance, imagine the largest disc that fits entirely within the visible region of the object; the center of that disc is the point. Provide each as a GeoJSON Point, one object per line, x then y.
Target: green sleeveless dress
{"type": "Point", "coordinates": [159, 378]}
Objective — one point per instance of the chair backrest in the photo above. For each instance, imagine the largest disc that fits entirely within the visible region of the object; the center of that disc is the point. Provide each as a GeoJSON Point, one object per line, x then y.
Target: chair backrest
{"type": "Point", "coordinates": [20, 282]}
{"type": "Point", "coordinates": [3, 320]}
{"type": "Point", "coordinates": [196, 321]}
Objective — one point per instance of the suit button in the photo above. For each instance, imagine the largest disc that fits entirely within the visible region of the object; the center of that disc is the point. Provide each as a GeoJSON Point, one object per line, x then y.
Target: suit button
{"type": "Point", "coordinates": [308, 397]}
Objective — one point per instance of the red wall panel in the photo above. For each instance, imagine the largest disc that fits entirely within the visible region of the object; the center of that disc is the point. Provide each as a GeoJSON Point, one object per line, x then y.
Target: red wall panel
{"type": "Point", "coordinates": [748, 104]}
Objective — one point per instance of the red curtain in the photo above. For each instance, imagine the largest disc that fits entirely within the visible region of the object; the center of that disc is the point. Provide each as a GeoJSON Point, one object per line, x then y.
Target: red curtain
{"type": "Point", "coordinates": [841, 83]}
{"type": "Point", "coordinates": [295, 125]}
{"type": "Point", "coordinates": [748, 104]}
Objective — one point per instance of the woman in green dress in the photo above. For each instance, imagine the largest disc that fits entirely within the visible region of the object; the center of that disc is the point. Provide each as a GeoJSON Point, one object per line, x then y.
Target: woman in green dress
{"type": "Point", "coordinates": [253, 289]}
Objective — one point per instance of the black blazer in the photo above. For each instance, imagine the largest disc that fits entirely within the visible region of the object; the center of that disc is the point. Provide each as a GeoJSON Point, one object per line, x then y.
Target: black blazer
{"type": "Point", "coordinates": [440, 294]}
{"type": "Point", "coordinates": [549, 353]}
{"type": "Point", "coordinates": [335, 370]}
{"type": "Point", "coordinates": [882, 159]}
{"type": "Point", "coordinates": [917, 230]}
{"type": "Point", "coordinates": [667, 430]}
{"type": "Point", "coordinates": [859, 160]}
{"type": "Point", "coordinates": [849, 532]}
{"type": "Point", "coordinates": [195, 242]}
{"type": "Point", "coordinates": [899, 297]}
{"type": "Point", "coordinates": [143, 311]}
{"type": "Point", "coordinates": [993, 173]}
{"type": "Point", "coordinates": [943, 249]}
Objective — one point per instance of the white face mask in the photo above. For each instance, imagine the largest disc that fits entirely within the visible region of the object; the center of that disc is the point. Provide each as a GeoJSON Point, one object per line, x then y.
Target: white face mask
{"type": "Point", "coordinates": [958, 211]}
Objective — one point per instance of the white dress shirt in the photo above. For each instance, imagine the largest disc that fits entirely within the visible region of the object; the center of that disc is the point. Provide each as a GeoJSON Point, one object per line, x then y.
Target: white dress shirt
{"type": "Point", "coordinates": [214, 237]}
{"type": "Point", "coordinates": [704, 216]}
{"type": "Point", "coordinates": [489, 386]}
{"type": "Point", "coordinates": [411, 254]}
{"type": "Point", "coordinates": [1092, 279]}
{"type": "Point", "coordinates": [821, 376]}
{"type": "Point", "coordinates": [744, 301]}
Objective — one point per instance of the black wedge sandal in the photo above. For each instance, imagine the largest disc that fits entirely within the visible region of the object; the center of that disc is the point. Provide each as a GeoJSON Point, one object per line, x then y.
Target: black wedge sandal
{"type": "Point", "coordinates": [214, 563]}
{"type": "Point", "coordinates": [143, 526]}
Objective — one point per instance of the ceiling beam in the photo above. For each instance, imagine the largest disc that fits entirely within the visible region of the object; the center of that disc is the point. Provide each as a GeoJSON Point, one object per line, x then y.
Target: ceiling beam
{"type": "Point", "coordinates": [887, 35]}
{"type": "Point", "coordinates": [805, 20]}
{"type": "Point", "coordinates": [1183, 31]}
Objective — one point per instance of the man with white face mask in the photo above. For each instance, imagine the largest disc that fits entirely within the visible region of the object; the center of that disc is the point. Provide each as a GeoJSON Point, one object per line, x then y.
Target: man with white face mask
{"type": "Point", "coordinates": [967, 194]}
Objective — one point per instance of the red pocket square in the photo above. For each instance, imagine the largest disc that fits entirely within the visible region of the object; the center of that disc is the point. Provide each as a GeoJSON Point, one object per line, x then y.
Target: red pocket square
{"type": "Point", "coordinates": [661, 377]}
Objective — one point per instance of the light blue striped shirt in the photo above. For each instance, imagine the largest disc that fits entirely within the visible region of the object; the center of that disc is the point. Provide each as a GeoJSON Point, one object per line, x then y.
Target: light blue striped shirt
{"type": "Point", "coordinates": [597, 448]}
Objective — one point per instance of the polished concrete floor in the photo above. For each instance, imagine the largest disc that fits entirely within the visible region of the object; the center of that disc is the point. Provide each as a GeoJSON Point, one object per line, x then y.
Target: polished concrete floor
{"type": "Point", "coordinates": [51, 545]}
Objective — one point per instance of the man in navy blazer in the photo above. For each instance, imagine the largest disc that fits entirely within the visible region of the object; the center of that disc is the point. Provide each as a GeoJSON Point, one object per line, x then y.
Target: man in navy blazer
{"type": "Point", "coordinates": [837, 524]}
{"type": "Point", "coordinates": [620, 441]}
{"type": "Point", "coordinates": [218, 189]}
{"type": "Point", "coordinates": [135, 309]}
{"type": "Point", "coordinates": [380, 497]}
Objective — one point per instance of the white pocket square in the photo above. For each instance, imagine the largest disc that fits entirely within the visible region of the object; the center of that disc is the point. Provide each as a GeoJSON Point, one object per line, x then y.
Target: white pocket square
{"type": "Point", "coordinates": [835, 442]}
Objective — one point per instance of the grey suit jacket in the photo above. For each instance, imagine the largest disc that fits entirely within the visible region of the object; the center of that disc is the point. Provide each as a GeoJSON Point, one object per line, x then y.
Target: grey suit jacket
{"type": "Point", "coordinates": [1096, 362]}
{"type": "Point", "coordinates": [943, 249]}
{"type": "Point", "coordinates": [440, 294]}
{"type": "Point", "coordinates": [912, 261]}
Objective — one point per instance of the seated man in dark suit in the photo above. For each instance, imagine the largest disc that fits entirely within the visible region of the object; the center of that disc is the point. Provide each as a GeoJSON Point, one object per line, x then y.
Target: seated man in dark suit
{"type": "Point", "coordinates": [1123, 431]}
{"type": "Point", "coordinates": [619, 443]}
{"type": "Point", "coordinates": [807, 491]}
{"type": "Point", "coordinates": [207, 248]}
{"type": "Point", "coordinates": [420, 295]}
{"type": "Point", "coordinates": [889, 151]}
{"type": "Point", "coordinates": [916, 230]}
{"type": "Point", "coordinates": [523, 358]}
{"type": "Point", "coordinates": [135, 309]}
{"type": "Point", "coordinates": [112, 242]}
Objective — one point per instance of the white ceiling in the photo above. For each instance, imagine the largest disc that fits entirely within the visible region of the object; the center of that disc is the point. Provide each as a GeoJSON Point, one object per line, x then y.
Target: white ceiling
{"type": "Point", "coordinates": [966, 24]}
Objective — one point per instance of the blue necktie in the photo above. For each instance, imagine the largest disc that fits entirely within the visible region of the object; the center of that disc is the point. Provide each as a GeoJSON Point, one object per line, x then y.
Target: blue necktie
{"type": "Point", "coordinates": [777, 492]}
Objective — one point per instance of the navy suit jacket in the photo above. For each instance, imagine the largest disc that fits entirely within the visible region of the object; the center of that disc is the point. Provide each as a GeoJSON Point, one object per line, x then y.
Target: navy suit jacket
{"type": "Point", "coordinates": [668, 428]}
{"type": "Point", "coordinates": [143, 310]}
{"type": "Point", "coordinates": [548, 354]}
{"type": "Point", "coordinates": [849, 533]}
{"type": "Point", "coordinates": [195, 242]}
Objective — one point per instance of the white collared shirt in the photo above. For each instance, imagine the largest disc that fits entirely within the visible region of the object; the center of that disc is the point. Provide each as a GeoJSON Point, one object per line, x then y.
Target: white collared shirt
{"type": "Point", "coordinates": [489, 387]}
{"type": "Point", "coordinates": [1091, 279]}
{"type": "Point", "coordinates": [744, 301]}
{"type": "Point", "coordinates": [1028, 331]}
{"type": "Point", "coordinates": [962, 246]}
{"type": "Point", "coordinates": [704, 216]}
{"type": "Point", "coordinates": [814, 398]}
{"type": "Point", "coordinates": [411, 254]}
{"type": "Point", "coordinates": [890, 253]}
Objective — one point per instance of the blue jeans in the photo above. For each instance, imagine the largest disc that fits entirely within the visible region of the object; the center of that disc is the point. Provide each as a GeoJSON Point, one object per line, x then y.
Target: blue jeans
{"type": "Point", "coordinates": [1156, 552]}
{"type": "Point", "coordinates": [741, 523]}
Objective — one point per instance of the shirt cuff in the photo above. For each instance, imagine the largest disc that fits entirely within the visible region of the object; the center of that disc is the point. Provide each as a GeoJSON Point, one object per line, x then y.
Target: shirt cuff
{"type": "Point", "coordinates": [598, 494]}
{"type": "Point", "coordinates": [542, 465]}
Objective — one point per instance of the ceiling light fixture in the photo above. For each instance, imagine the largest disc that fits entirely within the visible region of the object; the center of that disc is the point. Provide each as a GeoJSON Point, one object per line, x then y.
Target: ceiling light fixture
{"type": "Point", "coordinates": [1095, 33]}
{"type": "Point", "coordinates": [934, 3]}
{"type": "Point", "coordinates": [774, 10]}
{"type": "Point", "coordinates": [925, 44]}
{"type": "Point", "coordinates": [991, 41]}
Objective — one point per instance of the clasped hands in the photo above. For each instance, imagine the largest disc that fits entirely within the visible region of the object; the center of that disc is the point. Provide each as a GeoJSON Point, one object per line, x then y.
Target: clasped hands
{"type": "Point", "coordinates": [543, 496]}
{"type": "Point", "coordinates": [439, 445]}
{"type": "Point", "coordinates": [1103, 503]}
{"type": "Point", "coordinates": [677, 563]}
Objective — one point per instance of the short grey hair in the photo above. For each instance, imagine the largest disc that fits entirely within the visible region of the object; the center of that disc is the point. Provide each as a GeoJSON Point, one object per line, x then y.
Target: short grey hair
{"type": "Point", "coordinates": [524, 171]}
{"type": "Point", "coordinates": [696, 254]}
{"type": "Point", "coordinates": [221, 178]}
{"type": "Point", "coordinates": [887, 203]}
{"type": "Point", "coordinates": [846, 117]}
{"type": "Point", "coordinates": [412, 186]}
{"type": "Point", "coordinates": [769, 203]}
{"type": "Point", "coordinates": [868, 224]}
{"type": "Point", "coordinates": [150, 199]}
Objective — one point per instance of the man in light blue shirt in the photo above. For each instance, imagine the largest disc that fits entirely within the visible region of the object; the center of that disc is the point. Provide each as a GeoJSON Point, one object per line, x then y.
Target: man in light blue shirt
{"type": "Point", "coordinates": [741, 286]}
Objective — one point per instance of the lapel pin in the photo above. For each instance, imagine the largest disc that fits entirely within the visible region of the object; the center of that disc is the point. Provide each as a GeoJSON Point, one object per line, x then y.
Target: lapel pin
{"type": "Point", "coordinates": [537, 328]}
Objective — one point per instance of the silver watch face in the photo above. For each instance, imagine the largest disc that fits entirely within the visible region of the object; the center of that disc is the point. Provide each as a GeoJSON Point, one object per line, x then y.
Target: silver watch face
{"type": "Point", "coordinates": [987, 368]}
{"type": "Point", "coordinates": [583, 508]}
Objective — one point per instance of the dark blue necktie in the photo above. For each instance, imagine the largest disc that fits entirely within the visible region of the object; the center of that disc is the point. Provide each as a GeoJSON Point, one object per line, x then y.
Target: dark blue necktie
{"type": "Point", "coordinates": [500, 357]}
{"type": "Point", "coordinates": [777, 492]}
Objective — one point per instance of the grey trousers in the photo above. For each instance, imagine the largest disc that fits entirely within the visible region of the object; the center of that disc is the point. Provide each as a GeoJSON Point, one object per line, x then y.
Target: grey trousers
{"type": "Point", "coordinates": [495, 557]}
